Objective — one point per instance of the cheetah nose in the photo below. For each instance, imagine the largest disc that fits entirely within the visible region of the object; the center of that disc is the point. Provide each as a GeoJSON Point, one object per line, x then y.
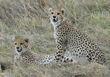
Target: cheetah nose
{"type": "Point", "coordinates": [17, 47]}
{"type": "Point", "coordinates": [54, 16]}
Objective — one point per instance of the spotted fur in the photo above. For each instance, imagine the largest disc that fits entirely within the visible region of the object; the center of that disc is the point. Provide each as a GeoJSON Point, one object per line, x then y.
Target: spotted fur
{"type": "Point", "coordinates": [80, 46]}
{"type": "Point", "coordinates": [22, 54]}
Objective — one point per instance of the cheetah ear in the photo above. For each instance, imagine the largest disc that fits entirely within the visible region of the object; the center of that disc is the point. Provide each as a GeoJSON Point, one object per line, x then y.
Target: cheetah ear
{"type": "Point", "coordinates": [26, 40]}
{"type": "Point", "coordinates": [14, 41]}
{"type": "Point", "coordinates": [63, 11]}
{"type": "Point", "coordinates": [49, 9]}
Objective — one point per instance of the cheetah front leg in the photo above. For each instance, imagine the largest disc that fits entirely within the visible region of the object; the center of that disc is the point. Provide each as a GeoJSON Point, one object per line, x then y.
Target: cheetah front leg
{"type": "Point", "coordinates": [61, 49]}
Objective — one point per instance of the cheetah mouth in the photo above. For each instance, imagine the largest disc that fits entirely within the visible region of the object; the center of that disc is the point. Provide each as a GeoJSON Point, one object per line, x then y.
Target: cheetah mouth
{"type": "Point", "coordinates": [55, 20]}
{"type": "Point", "coordinates": [19, 50]}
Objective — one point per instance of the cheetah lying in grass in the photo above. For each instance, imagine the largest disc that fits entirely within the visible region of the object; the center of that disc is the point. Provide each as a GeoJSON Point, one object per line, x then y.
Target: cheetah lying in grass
{"type": "Point", "coordinates": [23, 55]}
{"type": "Point", "coordinates": [81, 47]}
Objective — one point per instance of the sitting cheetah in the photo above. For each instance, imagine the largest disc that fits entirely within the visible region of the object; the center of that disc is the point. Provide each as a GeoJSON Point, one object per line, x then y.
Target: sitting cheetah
{"type": "Point", "coordinates": [69, 39]}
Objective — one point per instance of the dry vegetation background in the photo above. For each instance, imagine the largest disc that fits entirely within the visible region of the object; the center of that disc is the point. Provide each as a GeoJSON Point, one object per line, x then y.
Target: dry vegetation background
{"type": "Point", "coordinates": [29, 19]}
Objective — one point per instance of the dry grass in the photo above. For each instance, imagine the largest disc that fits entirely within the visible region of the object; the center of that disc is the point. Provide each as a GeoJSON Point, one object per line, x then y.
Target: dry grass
{"type": "Point", "coordinates": [29, 19]}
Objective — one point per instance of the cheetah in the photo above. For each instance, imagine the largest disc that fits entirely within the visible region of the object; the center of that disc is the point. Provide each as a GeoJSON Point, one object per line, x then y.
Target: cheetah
{"type": "Point", "coordinates": [69, 39]}
{"type": "Point", "coordinates": [22, 54]}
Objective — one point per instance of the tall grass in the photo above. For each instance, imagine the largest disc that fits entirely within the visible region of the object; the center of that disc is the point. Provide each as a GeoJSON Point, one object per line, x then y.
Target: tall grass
{"type": "Point", "coordinates": [29, 19]}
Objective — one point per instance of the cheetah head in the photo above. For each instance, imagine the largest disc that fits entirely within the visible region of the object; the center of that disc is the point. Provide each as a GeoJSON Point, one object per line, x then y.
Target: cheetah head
{"type": "Point", "coordinates": [56, 16]}
{"type": "Point", "coordinates": [21, 45]}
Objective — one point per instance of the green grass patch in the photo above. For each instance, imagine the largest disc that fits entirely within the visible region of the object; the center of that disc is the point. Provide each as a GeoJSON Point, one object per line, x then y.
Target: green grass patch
{"type": "Point", "coordinates": [18, 36]}
{"type": "Point", "coordinates": [104, 47]}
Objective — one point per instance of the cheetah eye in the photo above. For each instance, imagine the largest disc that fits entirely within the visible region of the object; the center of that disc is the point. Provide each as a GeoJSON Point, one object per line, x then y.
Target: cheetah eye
{"type": "Point", "coordinates": [15, 43]}
{"type": "Point", "coordinates": [51, 12]}
{"type": "Point", "coordinates": [58, 13]}
{"type": "Point", "coordinates": [21, 43]}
